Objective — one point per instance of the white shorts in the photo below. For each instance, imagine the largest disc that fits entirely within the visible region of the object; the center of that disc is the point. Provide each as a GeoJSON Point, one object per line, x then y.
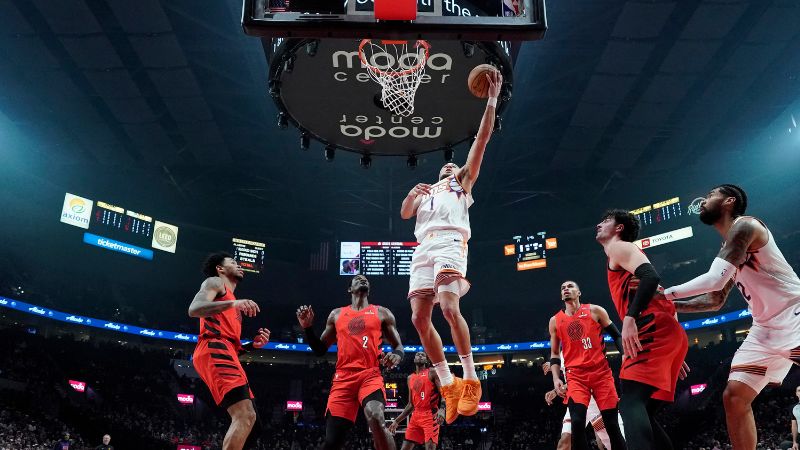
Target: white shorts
{"type": "Point", "coordinates": [768, 352]}
{"type": "Point", "coordinates": [438, 261]}
{"type": "Point", "coordinates": [593, 416]}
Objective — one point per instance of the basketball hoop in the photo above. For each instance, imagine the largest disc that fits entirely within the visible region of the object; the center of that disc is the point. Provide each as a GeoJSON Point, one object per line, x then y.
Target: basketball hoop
{"type": "Point", "coordinates": [397, 69]}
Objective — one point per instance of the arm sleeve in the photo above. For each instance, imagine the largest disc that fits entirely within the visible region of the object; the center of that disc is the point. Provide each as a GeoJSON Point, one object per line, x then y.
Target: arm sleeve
{"type": "Point", "coordinates": [616, 336]}
{"type": "Point", "coordinates": [648, 284]}
{"type": "Point", "coordinates": [313, 341]}
{"type": "Point", "coordinates": [720, 272]}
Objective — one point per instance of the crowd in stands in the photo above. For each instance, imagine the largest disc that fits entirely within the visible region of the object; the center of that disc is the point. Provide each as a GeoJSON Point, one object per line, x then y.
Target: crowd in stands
{"type": "Point", "coordinates": [131, 395]}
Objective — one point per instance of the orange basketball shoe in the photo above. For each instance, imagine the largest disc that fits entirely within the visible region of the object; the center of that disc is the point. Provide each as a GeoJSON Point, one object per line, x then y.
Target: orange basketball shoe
{"type": "Point", "coordinates": [452, 398]}
{"type": "Point", "coordinates": [470, 396]}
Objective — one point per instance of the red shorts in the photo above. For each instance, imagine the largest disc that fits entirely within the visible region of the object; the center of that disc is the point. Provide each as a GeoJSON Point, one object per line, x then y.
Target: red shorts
{"type": "Point", "coordinates": [664, 344]}
{"type": "Point", "coordinates": [582, 385]}
{"type": "Point", "coordinates": [422, 428]}
{"type": "Point", "coordinates": [350, 388]}
{"type": "Point", "coordinates": [217, 363]}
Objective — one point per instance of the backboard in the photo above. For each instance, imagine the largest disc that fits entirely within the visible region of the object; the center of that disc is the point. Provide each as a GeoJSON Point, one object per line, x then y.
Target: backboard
{"type": "Point", "coordinates": [474, 20]}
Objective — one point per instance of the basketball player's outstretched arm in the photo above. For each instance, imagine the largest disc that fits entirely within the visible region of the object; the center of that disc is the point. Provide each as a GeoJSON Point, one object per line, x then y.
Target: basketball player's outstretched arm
{"type": "Point", "coordinates": [469, 173]}
{"type": "Point", "coordinates": [555, 360]}
{"type": "Point", "coordinates": [733, 254]}
{"type": "Point", "coordinates": [390, 334]}
{"type": "Point", "coordinates": [319, 344]}
{"type": "Point", "coordinates": [203, 304]}
{"type": "Point", "coordinates": [713, 301]}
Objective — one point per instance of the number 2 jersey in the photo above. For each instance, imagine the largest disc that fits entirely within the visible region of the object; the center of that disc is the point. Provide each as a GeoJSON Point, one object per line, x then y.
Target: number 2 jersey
{"type": "Point", "coordinates": [358, 338]}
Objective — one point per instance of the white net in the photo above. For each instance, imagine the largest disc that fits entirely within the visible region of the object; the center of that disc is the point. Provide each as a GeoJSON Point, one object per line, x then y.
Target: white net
{"type": "Point", "coordinates": [398, 69]}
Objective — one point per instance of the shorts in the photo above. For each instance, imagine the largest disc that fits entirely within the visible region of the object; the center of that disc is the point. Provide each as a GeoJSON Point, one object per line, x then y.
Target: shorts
{"type": "Point", "coordinates": [584, 386]}
{"type": "Point", "coordinates": [217, 363]}
{"type": "Point", "coordinates": [439, 260]}
{"type": "Point", "coordinates": [422, 429]}
{"type": "Point", "coordinates": [350, 388]}
{"type": "Point", "coordinates": [664, 346]}
{"type": "Point", "coordinates": [767, 353]}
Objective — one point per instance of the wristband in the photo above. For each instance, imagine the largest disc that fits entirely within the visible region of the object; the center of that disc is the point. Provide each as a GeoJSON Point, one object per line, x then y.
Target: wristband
{"type": "Point", "coordinates": [399, 352]}
{"type": "Point", "coordinates": [555, 361]}
{"type": "Point", "coordinates": [492, 102]}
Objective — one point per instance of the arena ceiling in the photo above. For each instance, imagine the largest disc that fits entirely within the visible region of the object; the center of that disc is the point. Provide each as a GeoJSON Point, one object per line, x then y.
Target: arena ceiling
{"type": "Point", "coordinates": [623, 103]}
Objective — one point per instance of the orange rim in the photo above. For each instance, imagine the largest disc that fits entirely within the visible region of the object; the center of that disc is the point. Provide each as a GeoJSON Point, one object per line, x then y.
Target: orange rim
{"type": "Point", "coordinates": [416, 67]}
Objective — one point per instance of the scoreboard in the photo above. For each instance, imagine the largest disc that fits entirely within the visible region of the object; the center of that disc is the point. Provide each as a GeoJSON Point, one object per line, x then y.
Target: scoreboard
{"type": "Point", "coordinates": [659, 212]}
{"type": "Point", "coordinates": [376, 258]}
{"type": "Point", "coordinates": [531, 250]}
{"type": "Point", "coordinates": [249, 254]}
{"type": "Point", "coordinates": [118, 229]}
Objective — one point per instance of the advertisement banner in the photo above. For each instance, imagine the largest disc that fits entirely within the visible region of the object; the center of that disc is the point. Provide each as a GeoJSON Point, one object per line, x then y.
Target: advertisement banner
{"type": "Point", "coordinates": [294, 405]}
{"type": "Point", "coordinates": [186, 399]}
{"type": "Point", "coordinates": [77, 211]}
{"type": "Point", "coordinates": [117, 246]}
{"type": "Point", "coordinates": [79, 386]}
{"type": "Point", "coordinates": [165, 237]}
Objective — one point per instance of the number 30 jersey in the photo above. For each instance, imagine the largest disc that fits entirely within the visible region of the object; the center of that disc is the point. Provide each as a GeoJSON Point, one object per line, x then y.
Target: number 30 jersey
{"type": "Point", "coordinates": [358, 338]}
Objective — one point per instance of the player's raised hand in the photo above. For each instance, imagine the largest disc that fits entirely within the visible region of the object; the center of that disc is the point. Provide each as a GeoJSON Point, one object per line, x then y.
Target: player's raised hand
{"type": "Point", "coordinates": [248, 307]}
{"type": "Point", "coordinates": [390, 360]}
{"type": "Point", "coordinates": [393, 427]}
{"type": "Point", "coordinates": [420, 189]}
{"type": "Point", "coordinates": [305, 316]}
{"type": "Point", "coordinates": [495, 79]}
{"type": "Point", "coordinates": [546, 367]}
{"type": "Point", "coordinates": [261, 338]}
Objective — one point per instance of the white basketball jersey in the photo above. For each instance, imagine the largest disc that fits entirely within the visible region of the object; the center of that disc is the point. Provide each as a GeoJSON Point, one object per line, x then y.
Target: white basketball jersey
{"type": "Point", "coordinates": [767, 282]}
{"type": "Point", "coordinates": [444, 209]}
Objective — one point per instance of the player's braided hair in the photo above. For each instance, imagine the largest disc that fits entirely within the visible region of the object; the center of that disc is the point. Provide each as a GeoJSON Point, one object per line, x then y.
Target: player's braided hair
{"type": "Point", "coordinates": [732, 190]}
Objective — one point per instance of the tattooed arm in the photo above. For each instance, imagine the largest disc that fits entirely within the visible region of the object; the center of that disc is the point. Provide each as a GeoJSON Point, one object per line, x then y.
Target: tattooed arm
{"type": "Point", "coordinates": [713, 301]}
{"type": "Point", "coordinates": [733, 254]}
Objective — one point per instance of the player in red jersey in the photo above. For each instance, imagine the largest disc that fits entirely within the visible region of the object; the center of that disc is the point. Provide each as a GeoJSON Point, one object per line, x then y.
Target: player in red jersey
{"type": "Point", "coordinates": [357, 330]}
{"type": "Point", "coordinates": [654, 343]}
{"type": "Point", "coordinates": [425, 404]}
{"type": "Point", "coordinates": [216, 356]}
{"type": "Point", "coordinates": [577, 332]}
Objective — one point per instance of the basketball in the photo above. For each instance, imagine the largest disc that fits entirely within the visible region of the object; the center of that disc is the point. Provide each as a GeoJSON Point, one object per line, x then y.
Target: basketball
{"type": "Point", "coordinates": [477, 82]}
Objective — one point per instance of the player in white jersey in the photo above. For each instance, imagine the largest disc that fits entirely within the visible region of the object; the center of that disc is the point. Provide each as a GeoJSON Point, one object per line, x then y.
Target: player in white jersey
{"type": "Point", "coordinates": [750, 259]}
{"type": "Point", "coordinates": [439, 264]}
{"type": "Point", "coordinates": [593, 417]}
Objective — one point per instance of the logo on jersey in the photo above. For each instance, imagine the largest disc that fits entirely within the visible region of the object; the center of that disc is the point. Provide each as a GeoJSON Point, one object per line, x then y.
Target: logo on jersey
{"type": "Point", "coordinates": [356, 326]}
{"type": "Point", "coordinates": [575, 331]}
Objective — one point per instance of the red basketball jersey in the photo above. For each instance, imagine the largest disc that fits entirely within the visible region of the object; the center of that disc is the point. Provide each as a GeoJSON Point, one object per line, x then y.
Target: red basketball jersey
{"type": "Point", "coordinates": [424, 395]}
{"type": "Point", "coordinates": [581, 340]}
{"type": "Point", "coordinates": [358, 338]}
{"type": "Point", "coordinates": [223, 325]}
{"type": "Point", "coordinates": [623, 285]}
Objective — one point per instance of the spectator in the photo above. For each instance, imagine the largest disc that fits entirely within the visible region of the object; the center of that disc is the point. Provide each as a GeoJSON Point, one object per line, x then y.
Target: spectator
{"type": "Point", "coordinates": [106, 443]}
